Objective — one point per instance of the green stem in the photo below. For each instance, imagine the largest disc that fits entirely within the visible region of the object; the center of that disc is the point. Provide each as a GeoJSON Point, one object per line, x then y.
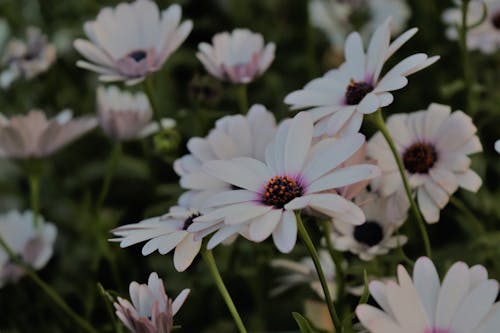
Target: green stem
{"type": "Point", "coordinates": [148, 89]}
{"type": "Point", "coordinates": [242, 98]}
{"type": "Point", "coordinates": [378, 119]}
{"type": "Point", "coordinates": [324, 285]}
{"type": "Point", "coordinates": [214, 271]}
{"type": "Point", "coordinates": [34, 181]}
{"type": "Point", "coordinates": [113, 159]}
{"type": "Point", "coordinates": [465, 56]}
{"type": "Point", "coordinates": [47, 289]}
{"type": "Point", "coordinates": [337, 260]}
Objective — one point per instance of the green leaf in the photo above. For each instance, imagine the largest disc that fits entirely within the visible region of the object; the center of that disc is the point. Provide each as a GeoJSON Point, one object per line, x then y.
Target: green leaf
{"type": "Point", "coordinates": [304, 324]}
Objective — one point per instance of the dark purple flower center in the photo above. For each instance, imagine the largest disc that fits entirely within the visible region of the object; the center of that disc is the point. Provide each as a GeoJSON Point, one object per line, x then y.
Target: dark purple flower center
{"type": "Point", "coordinates": [137, 55]}
{"type": "Point", "coordinates": [280, 190]}
{"type": "Point", "coordinates": [369, 233]}
{"type": "Point", "coordinates": [495, 20]}
{"type": "Point", "coordinates": [356, 91]}
{"type": "Point", "coordinates": [189, 220]}
{"type": "Point", "coordinates": [420, 158]}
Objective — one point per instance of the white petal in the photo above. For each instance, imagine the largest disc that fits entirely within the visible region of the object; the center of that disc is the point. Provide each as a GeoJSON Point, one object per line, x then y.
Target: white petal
{"type": "Point", "coordinates": [285, 234]}
{"type": "Point", "coordinates": [426, 281]}
{"type": "Point", "coordinates": [298, 142]}
{"type": "Point", "coordinates": [344, 176]}
{"type": "Point", "coordinates": [233, 173]}
{"type": "Point", "coordinates": [264, 225]}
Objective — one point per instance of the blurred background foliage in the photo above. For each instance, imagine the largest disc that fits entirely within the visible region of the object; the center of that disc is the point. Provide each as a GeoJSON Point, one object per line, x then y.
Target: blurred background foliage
{"type": "Point", "coordinates": [145, 184]}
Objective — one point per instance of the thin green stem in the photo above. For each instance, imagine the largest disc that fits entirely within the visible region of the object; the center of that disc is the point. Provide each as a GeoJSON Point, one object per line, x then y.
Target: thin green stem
{"type": "Point", "coordinates": [378, 119]}
{"type": "Point", "coordinates": [148, 89]}
{"type": "Point", "coordinates": [317, 264]}
{"type": "Point", "coordinates": [337, 260]}
{"type": "Point", "coordinates": [465, 56]}
{"type": "Point", "coordinates": [108, 301]}
{"type": "Point", "coordinates": [47, 289]}
{"type": "Point", "coordinates": [242, 98]}
{"type": "Point", "coordinates": [34, 181]}
{"type": "Point", "coordinates": [214, 271]}
{"type": "Point", "coordinates": [113, 159]}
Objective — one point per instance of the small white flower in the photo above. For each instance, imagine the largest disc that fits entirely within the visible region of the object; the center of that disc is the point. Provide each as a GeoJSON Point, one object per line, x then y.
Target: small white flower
{"type": "Point", "coordinates": [132, 40]}
{"type": "Point", "coordinates": [151, 311]}
{"type": "Point", "coordinates": [233, 136]}
{"type": "Point", "coordinates": [124, 116]}
{"type": "Point", "coordinates": [27, 59]}
{"type": "Point", "coordinates": [486, 36]}
{"type": "Point", "coordinates": [433, 145]}
{"type": "Point", "coordinates": [34, 136]}
{"type": "Point", "coordinates": [295, 176]}
{"type": "Point", "coordinates": [340, 98]}
{"type": "Point", "coordinates": [34, 245]}
{"type": "Point", "coordinates": [238, 57]}
{"type": "Point", "coordinates": [462, 303]}
{"type": "Point", "coordinates": [375, 236]}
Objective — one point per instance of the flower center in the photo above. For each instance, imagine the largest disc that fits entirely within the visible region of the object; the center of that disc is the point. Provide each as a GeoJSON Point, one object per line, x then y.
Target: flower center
{"type": "Point", "coordinates": [369, 233]}
{"type": "Point", "coordinates": [419, 158]}
{"type": "Point", "coordinates": [280, 190]}
{"type": "Point", "coordinates": [495, 20]}
{"type": "Point", "coordinates": [137, 55]}
{"type": "Point", "coordinates": [356, 91]}
{"type": "Point", "coordinates": [189, 220]}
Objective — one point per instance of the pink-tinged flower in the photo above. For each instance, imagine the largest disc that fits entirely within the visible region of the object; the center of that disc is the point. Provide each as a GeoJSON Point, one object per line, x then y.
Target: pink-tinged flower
{"type": "Point", "coordinates": [132, 40]}
{"type": "Point", "coordinates": [125, 116]}
{"type": "Point", "coordinates": [484, 37]}
{"type": "Point", "coordinates": [33, 244]}
{"type": "Point", "coordinates": [433, 145]}
{"type": "Point", "coordinates": [295, 176]}
{"type": "Point", "coordinates": [151, 310]}
{"type": "Point", "coordinates": [238, 57]}
{"type": "Point", "coordinates": [34, 136]}
{"type": "Point", "coordinates": [27, 59]}
{"type": "Point", "coordinates": [233, 136]}
{"type": "Point", "coordinates": [164, 234]}
{"type": "Point", "coordinates": [338, 100]}
{"type": "Point", "coordinates": [462, 303]}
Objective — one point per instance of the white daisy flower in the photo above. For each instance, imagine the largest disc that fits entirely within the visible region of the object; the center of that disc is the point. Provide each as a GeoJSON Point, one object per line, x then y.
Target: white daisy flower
{"type": "Point", "coordinates": [34, 136]}
{"type": "Point", "coordinates": [376, 235]}
{"type": "Point", "coordinates": [462, 303]}
{"type": "Point", "coordinates": [125, 116]}
{"type": "Point", "coordinates": [340, 98]}
{"type": "Point", "coordinates": [336, 18]}
{"type": "Point", "coordinates": [233, 136]}
{"type": "Point", "coordinates": [151, 310]}
{"type": "Point", "coordinates": [27, 59]}
{"type": "Point", "coordinates": [433, 145]}
{"type": "Point", "coordinates": [294, 176]}
{"type": "Point", "coordinates": [132, 40]}
{"type": "Point", "coordinates": [164, 234]}
{"type": "Point", "coordinates": [238, 57]}
{"type": "Point", "coordinates": [34, 245]}
{"type": "Point", "coordinates": [486, 36]}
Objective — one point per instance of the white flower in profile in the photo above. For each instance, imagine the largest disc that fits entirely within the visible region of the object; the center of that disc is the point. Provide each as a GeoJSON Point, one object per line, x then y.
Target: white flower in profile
{"type": "Point", "coordinates": [132, 40]}
{"type": "Point", "coordinates": [151, 310]}
{"type": "Point", "coordinates": [295, 176]}
{"type": "Point", "coordinates": [486, 36]}
{"type": "Point", "coordinates": [27, 59]}
{"type": "Point", "coordinates": [497, 146]}
{"type": "Point", "coordinates": [376, 235]}
{"type": "Point", "coordinates": [433, 145]}
{"type": "Point", "coordinates": [33, 244]}
{"type": "Point", "coordinates": [462, 303]}
{"type": "Point", "coordinates": [238, 57]}
{"type": "Point", "coordinates": [233, 136]}
{"type": "Point", "coordinates": [125, 116]}
{"type": "Point", "coordinates": [338, 100]}
{"type": "Point", "coordinates": [34, 136]}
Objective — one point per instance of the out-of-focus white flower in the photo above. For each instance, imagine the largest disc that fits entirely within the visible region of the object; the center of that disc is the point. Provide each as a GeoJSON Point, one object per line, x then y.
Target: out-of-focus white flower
{"type": "Point", "coordinates": [433, 145]}
{"type": "Point", "coordinates": [462, 303]}
{"type": "Point", "coordinates": [151, 310]}
{"type": "Point", "coordinates": [486, 36]}
{"type": "Point", "coordinates": [125, 116]}
{"type": "Point", "coordinates": [33, 244]}
{"type": "Point", "coordinates": [497, 146]}
{"type": "Point", "coordinates": [233, 136]}
{"type": "Point", "coordinates": [319, 315]}
{"type": "Point", "coordinates": [34, 136]}
{"type": "Point", "coordinates": [296, 175]}
{"type": "Point", "coordinates": [338, 100]}
{"type": "Point", "coordinates": [375, 236]}
{"type": "Point", "coordinates": [337, 18]}
{"type": "Point", "coordinates": [238, 57]}
{"type": "Point", "coordinates": [27, 59]}
{"type": "Point", "coordinates": [132, 40]}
